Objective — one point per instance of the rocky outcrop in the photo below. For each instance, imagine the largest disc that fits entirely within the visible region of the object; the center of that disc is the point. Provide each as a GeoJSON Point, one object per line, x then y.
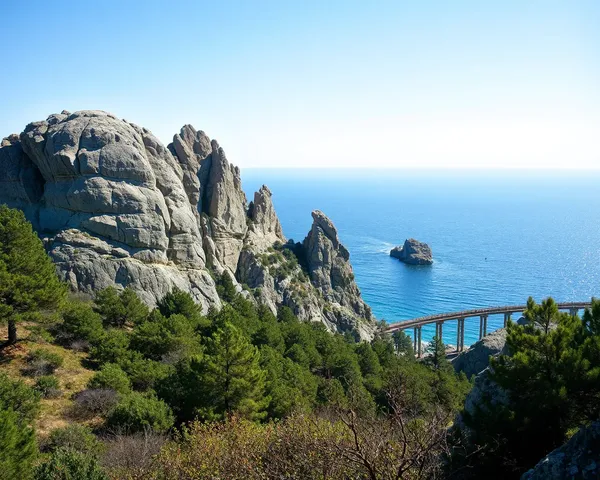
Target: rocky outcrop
{"type": "Point", "coordinates": [108, 199]}
{"type": "Point", "coordinates": [265, 229]}
{"type": "Point", "coordinates": [579, 458]}
{"type": "Point", "coordinates": [328, 264]}
{"type": "Point", "coordinates": [484, 395]}
{"type": "Point", "coordinates": [313, 278]}
{"type": "Point", "coordinates": [413, 252]}
{"type": "Point", "coordinates": [116, 207]}
{"type": "Point", "coordinates": [477, 357]}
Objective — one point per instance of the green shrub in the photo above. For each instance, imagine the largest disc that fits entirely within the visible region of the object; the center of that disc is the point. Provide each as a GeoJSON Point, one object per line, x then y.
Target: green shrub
{"type": "Point", "coordinates": [120, 309]}
{"type": "Point", "coordinates": [81, 322]}
{"type": "Point", "coordinates": [226, 288]}
{"type": "Point", "coordinates": [145, 373]}
{"type": "Point", "coordinates": [48, 386]}
{"type": "Point", "coordinates": [166, 338]}
{"type": "Point", "coordinates": [111, 376]}
{"type": "Point", "coordinates": [16, 396]}
{"type": "Point", "coordinates": [74, 437]}
{"type": "Point", "coordinates": [111, 347]}
{"type": "Point", "coordinates": [43, 362]}
{"type": "Point", "coordinates": [65, 464]}
{"type": "Point", "coordinates": [136, 412]}
{"type": "Point", "coordinates": [17, 446]}
{"type": "Point", "coordinates": [39, 333]}
{"type": "Point", "coordinates": [178, 302]}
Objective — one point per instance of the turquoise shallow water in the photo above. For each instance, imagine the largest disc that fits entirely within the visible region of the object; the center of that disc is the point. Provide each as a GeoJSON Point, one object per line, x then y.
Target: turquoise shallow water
{"type": "Point", "coordinates": [497, 236]}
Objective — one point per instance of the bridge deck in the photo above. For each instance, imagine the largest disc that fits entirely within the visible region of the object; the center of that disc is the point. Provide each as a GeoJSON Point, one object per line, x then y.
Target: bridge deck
{"type": "Point", "coordinates": [442, 317]}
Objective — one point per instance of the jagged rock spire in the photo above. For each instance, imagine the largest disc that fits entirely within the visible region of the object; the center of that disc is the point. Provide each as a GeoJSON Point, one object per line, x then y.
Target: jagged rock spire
{"type": "Point", "coordinates": [329, 267]}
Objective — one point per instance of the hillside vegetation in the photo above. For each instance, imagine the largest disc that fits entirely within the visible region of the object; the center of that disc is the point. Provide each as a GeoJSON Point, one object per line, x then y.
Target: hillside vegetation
{"type": "Point", "coordinates": [109, 388]}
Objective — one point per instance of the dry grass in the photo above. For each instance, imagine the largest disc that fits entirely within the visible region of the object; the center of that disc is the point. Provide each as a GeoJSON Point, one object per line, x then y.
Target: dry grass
{"type": "Point", "coordinates": [73, 376]}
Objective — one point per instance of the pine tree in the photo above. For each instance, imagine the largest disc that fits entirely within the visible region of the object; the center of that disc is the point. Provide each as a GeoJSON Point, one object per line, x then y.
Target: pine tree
{"type": "Point", "coordinates": [233, 376]}
{"type": "Point", "coordinates": [226, 288]}
{"type": "Point", "coordinates": [551, 385]}
{"type": "Point", "coordinates": [120, 309]}
{"type": "Point", "coordinates": [28, 280]}
{"type": "Point", "coordinates": [18, 448]}
{"type": "Point", "coordinates": [436, 355]}
{"type": "Point", "coordinates": [178, 302]}
{"type": "Point", "coordinates": [403, 343]}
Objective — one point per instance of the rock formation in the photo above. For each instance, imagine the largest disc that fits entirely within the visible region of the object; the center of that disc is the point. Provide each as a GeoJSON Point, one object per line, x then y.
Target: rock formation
{"type": "Point", "coordinates": [477, 357]}
{"type": "Point", "coordinates": [485, 393]}
{"type": "Point", "coordinates": [578, 458]}
{"type": "Point", "coordinates": [328, 264]}
{"type": "Point", "coordinates": [116, 207]}
{"type": "Point", "coordinates": [313, 278]}
{"type": "Point", "coordinates": [413, 252]}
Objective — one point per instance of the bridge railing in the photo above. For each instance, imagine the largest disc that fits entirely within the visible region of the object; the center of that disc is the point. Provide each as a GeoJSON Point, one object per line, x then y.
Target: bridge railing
{"type": "Point", "coordinates": [442, 317]}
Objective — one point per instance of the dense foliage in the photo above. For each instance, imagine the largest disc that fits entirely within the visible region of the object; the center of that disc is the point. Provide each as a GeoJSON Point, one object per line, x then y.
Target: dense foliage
{"type": "Point", "coordinates": [246, 393]}
{"type": "Point", "coordinates": [547, 387]}
{"type": "Point", "coordinates": [18, 447]}
{"type": "Point", "coordinates": [69, 464]}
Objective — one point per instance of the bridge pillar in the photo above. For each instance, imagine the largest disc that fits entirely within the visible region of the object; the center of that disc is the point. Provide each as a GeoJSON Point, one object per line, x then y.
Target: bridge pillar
{"type": "Point", "coordinates": [419, 343]}
{"type": "Point", "coordinates": [460, 325]}
{"type": "Point", "coordinates": [573, 311]}
{"type": "Point", "coordinates": [506, 318]}
{"type": "Point", "coordinates": [462, 334]}
{"type": "Point", "coordinates": [415, 340]}
{"type": "Point", "coordinates": [482, 326]}
{"type": "Point", "coordinates": [438, 330]}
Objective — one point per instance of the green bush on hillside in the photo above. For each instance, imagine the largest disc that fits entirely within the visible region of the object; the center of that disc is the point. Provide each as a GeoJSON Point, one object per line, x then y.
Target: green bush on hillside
{"type": "Point", "coordinates": [48, 386]}
{"type": "Point", "coordinates": [18, 448]}
{"type": "Point", "coordinates": [43, 362]}
{"type": "Point", "coordinates": [80, 322]}
{"type": "Point", "coordinates": [111, 376]}
{"type": "Point", "coordinates": [15, 395]}
{"type": "Point", "coordinates": [67, 464]}
{"type": "Point", "coordinates": [119, 309]}
{"type": "Point", "coordinates": [74, 437]}
{"type": "Point", "coordinates": [137, 412]}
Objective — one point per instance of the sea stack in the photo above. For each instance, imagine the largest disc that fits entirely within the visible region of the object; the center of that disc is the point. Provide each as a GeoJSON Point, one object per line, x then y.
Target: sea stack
{"type": "Point", "coordinates": [413, 252]}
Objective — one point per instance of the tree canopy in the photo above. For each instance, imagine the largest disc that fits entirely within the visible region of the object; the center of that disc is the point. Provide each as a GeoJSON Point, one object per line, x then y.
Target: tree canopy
{"type": "Point", "coordinates": [28, 280]}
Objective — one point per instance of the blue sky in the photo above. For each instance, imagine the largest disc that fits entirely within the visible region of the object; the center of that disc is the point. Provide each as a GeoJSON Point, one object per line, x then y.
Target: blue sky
{"type": "Point", "coordinates": [323, 83]}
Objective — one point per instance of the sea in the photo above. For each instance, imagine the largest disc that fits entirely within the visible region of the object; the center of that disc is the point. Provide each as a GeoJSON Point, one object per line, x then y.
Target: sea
{"type": "Point", "coordinates": [497, 236]}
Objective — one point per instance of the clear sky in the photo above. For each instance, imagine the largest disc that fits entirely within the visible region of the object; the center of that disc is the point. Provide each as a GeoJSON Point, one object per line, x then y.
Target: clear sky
{"type": "Point", "coordinates": [321, 83]}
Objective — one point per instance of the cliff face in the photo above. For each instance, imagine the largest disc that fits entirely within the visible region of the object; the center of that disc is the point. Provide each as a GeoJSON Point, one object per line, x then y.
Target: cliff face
{"type": "Point", "coordinates": [116, 207]}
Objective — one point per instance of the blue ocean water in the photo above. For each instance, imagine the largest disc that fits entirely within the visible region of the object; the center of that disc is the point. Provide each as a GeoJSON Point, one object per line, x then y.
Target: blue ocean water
{"type": "Point", "coordinates": [497, 236]}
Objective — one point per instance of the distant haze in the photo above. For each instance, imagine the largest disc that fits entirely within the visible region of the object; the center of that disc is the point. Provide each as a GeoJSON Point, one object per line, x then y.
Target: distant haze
{"type": "Point", "coordinates": [322, 84]}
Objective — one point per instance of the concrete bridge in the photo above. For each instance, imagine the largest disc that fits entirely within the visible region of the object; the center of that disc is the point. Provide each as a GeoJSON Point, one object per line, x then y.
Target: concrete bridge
{"type": "Point", "coordinates": [460, 317]}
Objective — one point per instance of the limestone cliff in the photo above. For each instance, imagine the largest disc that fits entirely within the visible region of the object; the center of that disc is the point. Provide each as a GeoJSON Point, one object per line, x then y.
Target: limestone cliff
{"type": "Point", "coordinates": [313, 278]}
{"type": "Point", "coordinates": [116, 207]}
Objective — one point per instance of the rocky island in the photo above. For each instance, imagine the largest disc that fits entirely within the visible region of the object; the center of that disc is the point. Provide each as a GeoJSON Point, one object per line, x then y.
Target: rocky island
{"type": "Point", "coordinates": [115, 207]}
{"type": "Point", "coordinates": [413, 252]}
